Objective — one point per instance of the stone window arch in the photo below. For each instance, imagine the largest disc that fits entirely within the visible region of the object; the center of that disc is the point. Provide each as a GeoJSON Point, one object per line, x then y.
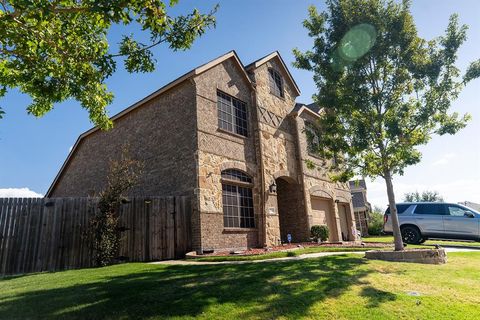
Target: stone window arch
{"type": "Point", "coordinates": [237, 199]}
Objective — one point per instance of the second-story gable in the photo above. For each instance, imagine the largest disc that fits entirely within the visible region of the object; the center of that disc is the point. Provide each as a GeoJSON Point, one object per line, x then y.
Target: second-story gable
{"type": "Point", "coordinates": [275, 88]}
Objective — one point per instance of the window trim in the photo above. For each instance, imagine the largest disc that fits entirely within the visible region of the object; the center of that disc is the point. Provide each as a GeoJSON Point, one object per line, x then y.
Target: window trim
{"type": "Point", "coordinates": [238, 217]}
{"type": "Point", "coordinates": [272, 72]}
{"type": "Point", "coordinates": [309, 128]}
{"type": "Point", "coordinates": [232, 110]}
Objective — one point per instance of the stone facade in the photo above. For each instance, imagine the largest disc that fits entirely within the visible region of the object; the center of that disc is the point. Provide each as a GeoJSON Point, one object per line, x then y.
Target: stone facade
{"type": "Point", "coordinates": [175, 133]}
{"type": "Point", "coordinates": [361, 206]}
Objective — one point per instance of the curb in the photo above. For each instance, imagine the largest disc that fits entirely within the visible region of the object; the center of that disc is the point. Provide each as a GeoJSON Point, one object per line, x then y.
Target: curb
{"type": "Point", "coordinates": [456, 246]}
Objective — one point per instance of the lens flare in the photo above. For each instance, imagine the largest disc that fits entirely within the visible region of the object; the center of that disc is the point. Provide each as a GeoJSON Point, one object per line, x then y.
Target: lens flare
{"type": "Point", "coordinates": [354, 45]}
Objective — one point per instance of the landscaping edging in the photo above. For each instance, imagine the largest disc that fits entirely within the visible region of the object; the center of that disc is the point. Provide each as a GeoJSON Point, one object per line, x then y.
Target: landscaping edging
{"type": "Point", "coordinates": [427, 256]}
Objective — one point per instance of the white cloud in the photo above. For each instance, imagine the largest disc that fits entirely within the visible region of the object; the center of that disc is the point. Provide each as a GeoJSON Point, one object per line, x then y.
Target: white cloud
{"type": "Point", "coordinates": [19, 193]}
{"type": "Point", "coordinates": [444, 160]}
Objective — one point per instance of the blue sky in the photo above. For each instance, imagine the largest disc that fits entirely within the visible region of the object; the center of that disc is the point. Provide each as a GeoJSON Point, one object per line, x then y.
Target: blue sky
{"type": "Point", "coordinates": [33, 149]}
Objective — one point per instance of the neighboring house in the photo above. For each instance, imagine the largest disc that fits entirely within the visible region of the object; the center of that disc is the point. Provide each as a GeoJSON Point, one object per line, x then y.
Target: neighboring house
{"type": "Point", "coordinates": [473, 205]}
{"type": "Point", "coordinates": [231, 137]}
{"type": "Point", "coordinates": [361, 206]}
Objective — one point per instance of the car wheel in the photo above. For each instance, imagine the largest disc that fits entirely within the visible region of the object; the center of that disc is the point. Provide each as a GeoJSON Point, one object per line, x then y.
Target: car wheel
{"type": "Point", "coordinates": [411, 235]}
{"type": "Point", "coordinates": [423, 240]}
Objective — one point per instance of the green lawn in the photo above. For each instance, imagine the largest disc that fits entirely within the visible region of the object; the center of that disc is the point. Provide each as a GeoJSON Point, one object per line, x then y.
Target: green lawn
{"type": "Point", "coordinates": [389, 239]}
{"type": "Point", "coordinates": [335, 287]}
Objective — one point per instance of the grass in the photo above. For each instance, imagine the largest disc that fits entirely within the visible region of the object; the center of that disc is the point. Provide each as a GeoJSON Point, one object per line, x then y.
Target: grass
{"type": "Point", "coordinates": [283, 254]}
{"type": "Point", "coordinates": [334, 287]}
{"type": "Point", "coordinates": [389, 239]}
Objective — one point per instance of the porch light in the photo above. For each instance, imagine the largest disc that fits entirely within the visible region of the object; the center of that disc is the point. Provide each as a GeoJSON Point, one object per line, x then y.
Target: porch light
{"type": "Point", "coordinates": [273, 187]}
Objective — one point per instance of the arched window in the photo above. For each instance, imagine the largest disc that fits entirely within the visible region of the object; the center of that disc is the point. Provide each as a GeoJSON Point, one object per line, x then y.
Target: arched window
{"type": "Point", "coordinates": [237, 199]}
{"type": "Point", "coordinates": [276, 83]}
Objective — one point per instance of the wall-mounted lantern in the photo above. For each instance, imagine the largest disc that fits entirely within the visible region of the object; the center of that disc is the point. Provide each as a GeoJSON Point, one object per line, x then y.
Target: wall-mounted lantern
{"type": "Point", "coordinates": [337, 201]}
{"type": "Point", "coordinates": [273, 187]}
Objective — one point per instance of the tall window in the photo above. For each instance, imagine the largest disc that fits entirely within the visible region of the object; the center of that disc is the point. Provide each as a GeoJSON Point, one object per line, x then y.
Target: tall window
{"type": "Point", "coordinates": [237, 199]}
{"type": "Point", "coordinates": [276, 83]}
{"type": "Point", "coordinates": [232, 114]}
{"type": "Point", "coordinates": [313, 137]}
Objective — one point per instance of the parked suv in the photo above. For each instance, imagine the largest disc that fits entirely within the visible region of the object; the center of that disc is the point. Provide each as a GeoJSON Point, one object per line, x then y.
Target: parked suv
{"type": "Point", "coordinates": [422, 220]}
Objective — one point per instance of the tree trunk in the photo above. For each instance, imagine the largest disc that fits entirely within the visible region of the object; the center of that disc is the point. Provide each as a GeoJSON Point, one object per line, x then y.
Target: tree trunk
{"type": "Point", "coordinates": [397, 236]}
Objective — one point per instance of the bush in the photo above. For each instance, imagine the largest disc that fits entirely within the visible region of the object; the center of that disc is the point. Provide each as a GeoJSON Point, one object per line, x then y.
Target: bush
{"type": "Point", "coordinates": [123, 175]}
{"type": "Point", "coordinates": [375, 224]}
{"type": "Point", "coordinates": [319, 232]}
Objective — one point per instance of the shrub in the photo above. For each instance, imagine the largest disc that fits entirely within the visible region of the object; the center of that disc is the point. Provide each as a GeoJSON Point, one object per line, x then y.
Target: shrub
{"type": "Point", "coordinates": [375, 224]}
{"type": "Point", "coordinates": [123, 175]}
{"type": "Point", "coordinates": [319, 232]}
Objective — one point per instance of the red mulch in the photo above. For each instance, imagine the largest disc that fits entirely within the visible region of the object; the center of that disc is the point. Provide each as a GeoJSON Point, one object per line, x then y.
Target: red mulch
{"type": "Point", "coordinates": [293, 246]}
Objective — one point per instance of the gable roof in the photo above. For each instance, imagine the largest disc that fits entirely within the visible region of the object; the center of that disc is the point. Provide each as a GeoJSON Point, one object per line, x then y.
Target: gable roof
{"type": "Point", "coordinates": [312, 108]}
{"type": "Point", "coordinates": [269, 57]}
{"type": "Point", "coordinates": [204, 67]}
{"type": "Point", "coordinates": [358, 184]}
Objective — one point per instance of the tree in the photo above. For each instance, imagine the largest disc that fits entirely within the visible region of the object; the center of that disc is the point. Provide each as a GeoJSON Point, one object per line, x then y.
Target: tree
{"type": "Point", "coordinates": [55, 50]}
{"type": "Point", "coordinates": [375, 221]}
{"type": "Point", "coordinates": [123, 175]}
{"type": "Point", "coordinates": [383, 89]}
{"type": "Point", "coordinates": [426, 196]}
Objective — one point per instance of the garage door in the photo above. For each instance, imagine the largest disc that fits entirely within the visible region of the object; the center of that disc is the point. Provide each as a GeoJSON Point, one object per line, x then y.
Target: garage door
{"type": "Point", "coordinates": [321, 210]}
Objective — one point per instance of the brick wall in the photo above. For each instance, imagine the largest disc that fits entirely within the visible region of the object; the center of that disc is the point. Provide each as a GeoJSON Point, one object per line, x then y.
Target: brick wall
{"type": "Point", "coordinates": [162, 134]}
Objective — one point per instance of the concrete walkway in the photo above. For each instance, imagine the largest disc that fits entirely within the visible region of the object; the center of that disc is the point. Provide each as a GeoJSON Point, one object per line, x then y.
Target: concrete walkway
{"type": "Point", "coordinates": [300, 257]}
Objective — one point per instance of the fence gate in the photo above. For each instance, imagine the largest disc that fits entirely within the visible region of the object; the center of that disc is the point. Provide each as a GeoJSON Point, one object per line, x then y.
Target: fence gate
{"type": "Point", "coordinates": [48, 234]}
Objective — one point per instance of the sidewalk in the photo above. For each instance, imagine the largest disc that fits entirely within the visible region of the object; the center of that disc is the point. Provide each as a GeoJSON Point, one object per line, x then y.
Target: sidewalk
{"type": "Point", "coordinates": [300, 257]}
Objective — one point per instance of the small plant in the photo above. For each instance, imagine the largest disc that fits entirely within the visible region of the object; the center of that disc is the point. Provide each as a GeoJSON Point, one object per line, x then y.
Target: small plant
{"type": "Point", "coordinates": [123, 175]}
{"type": "Point", "coordinates": [319, 233]}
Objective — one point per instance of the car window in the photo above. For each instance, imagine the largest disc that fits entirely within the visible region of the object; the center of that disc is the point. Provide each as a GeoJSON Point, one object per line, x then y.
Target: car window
{"type": "Point", "coordinates": [456, 211]}
{"type": "Point", "coordinates": [430, 208]}
{"type": "Point", "coordinates": [401, 208]}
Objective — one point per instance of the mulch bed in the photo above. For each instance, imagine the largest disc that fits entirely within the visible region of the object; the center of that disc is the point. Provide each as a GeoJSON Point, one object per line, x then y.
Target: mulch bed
{"type": "Point", "coordinates": [294, 246]}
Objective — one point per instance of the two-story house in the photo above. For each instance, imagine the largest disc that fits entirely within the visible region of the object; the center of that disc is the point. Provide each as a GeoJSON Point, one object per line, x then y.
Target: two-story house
{"type": "Point", "coordinates": [233, 138]}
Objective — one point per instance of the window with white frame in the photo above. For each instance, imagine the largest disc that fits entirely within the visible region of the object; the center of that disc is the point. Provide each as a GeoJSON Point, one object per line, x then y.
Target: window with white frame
{"type": "Point", "coordinates": [237, 197]}
{"type": "Point", "coordinates": [313, 137]}
{"type": "Point", "coordinates": [276, 83]}
{"type": "Point", "coordinates": [232, 114]}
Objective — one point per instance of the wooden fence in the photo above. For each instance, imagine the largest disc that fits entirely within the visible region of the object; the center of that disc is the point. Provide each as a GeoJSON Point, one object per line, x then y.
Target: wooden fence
{"type": "Point", "coordinates": [49, 234]}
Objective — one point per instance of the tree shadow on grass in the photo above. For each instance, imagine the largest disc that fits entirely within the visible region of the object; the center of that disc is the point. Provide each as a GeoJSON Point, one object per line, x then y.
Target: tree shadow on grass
{"type": "Point", "coordinates": [260, 290]}
{"type": "Point", "coordinates": [376, 296]}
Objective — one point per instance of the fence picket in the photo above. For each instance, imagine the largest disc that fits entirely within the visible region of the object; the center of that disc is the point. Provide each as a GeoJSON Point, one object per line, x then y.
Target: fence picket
{"type": "Point", "coordinates": [49, 234]}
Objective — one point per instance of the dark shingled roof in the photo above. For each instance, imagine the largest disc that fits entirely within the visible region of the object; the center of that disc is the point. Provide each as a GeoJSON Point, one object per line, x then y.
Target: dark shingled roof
{"type": "Point", "coordinates": [358, 200]}
{"type": "Point", "coordinates": [356, 184]}
{"type": "Point", "coordinates": [312, 106]}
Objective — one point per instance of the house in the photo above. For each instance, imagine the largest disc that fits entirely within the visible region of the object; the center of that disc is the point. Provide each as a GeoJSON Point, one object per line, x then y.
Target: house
{"type": "Point", "coordinates": [361, 207]}
{"type": "Point", "coordinates": [473, 205]}
{"type": "Point", "coordinates": [232, 138]}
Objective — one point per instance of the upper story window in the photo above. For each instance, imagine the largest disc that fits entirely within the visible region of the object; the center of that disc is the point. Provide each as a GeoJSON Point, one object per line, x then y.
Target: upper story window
{"type": "Point", "coordinates": [276, 83]}
{"type": "Point", "coordinates": [237, 198]}
{"type": "Point", "coordinates": [313, 137]}
{"type": "Point", "coordinates": [232, 114]}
